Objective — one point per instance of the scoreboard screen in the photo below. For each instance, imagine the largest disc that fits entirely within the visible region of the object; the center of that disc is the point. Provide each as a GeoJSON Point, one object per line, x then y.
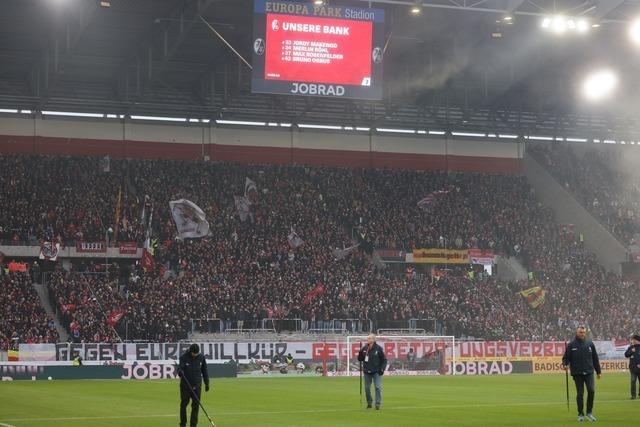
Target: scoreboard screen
{"type": "Point", "coordinates": [303, 49]}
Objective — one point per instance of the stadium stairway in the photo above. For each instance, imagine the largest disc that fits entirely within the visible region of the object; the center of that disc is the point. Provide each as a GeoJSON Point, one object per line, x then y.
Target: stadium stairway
{"type": "Point", "coordinates": [609, 252]}
{"type": "Point", "coordinates": [43, 294]}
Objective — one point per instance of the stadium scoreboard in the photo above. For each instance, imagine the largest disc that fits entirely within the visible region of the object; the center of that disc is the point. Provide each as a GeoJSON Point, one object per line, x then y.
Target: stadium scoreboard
{"type": "Point", "coordinates": [304, 49]}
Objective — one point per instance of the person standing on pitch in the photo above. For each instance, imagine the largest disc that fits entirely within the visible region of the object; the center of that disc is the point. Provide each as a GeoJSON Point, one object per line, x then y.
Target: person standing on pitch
{"type": "Point", "coordinates": [581, 356]}
{"type": "Point", "coordinates": [633, 353]}
{"type": "Point", "coordinates": [192, 370]}
{"type": "Point", "coordinates": [375, 363]}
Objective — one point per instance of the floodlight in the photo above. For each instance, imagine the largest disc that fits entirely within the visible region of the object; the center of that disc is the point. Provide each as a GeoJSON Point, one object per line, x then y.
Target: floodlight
{"type": "Point", "coordinates": [599, 85]}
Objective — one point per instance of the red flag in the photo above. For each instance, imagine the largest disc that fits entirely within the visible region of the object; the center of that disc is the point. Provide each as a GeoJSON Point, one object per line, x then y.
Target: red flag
{"type": "Point", "coordinates": [146, 261]}
{"type": "Point", "coordinates": [313, 293]}
{"type": "Point", "coordinates": [115, 317]}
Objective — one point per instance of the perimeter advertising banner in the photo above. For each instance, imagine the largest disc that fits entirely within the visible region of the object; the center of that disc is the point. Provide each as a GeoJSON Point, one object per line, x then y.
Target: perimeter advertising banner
{"type": "Point", "coordinates": [554, 366]}
{"type": "Point", "coordinates": [116, 371]}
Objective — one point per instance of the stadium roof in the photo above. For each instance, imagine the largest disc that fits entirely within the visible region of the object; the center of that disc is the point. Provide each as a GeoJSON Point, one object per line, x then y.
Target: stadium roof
{"type": "Point", "coordinates": [443, 69]}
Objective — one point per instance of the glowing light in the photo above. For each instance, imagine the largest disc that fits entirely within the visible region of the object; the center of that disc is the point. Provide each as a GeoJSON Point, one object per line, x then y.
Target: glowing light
{"type": "Point", "coordinates": [599, 85]}
{"type": "Point", "coordinates": [634, 31]}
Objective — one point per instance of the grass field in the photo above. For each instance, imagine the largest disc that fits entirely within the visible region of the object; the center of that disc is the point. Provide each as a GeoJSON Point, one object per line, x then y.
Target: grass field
{"type": "Point", "coordinates": [517, 400]}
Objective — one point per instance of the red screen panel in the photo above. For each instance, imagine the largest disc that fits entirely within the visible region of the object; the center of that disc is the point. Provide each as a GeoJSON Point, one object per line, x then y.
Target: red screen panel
{"type": "Point", "coordinates": [310, 49]}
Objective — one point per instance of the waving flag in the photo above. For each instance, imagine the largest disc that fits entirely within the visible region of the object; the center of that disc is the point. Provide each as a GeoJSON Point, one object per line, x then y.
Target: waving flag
{"type": "Point", "coordinates": [249, 186]}
{"type": "Point", "coordinates": [429, 199]}
{"type": "Point", "coordinates": [242, 207]}
{"type": "Point", "coordinates": [535, 296]}
{"type": "Point", "coordinates": [49, 251]}
{"type": "Point", "coordinates": [294, 240]}
{"type": "Point", "coordinates": [115, 317]}
{"type": "Point", "coordinates": [339, 254]}
{"type": "Point", "coordinates": [189, 218]}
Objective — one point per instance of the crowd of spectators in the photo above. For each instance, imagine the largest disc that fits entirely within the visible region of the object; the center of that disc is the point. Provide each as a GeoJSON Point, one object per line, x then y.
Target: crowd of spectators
{"type": "Point", "coordinates": [599, 182]}
{"type": "Point", "coordinates": [248, 270]}
{"type": "Point", "coordinates": [22, 318]}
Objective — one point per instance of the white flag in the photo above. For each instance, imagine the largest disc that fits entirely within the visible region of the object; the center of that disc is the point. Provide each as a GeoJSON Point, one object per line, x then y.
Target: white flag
{"type": "Point", "coordinates": [49, 251]}
{"type": "Point", "coordinates": [189, 218]}
{"type": "Point", "coordinates": [294, 240]}
{"type": "Point", "coordinates": [343, 253]}
{"type": "Point", "coordinates": [242, 207]}
{"type": "Point", "coordinates": [249, 185]}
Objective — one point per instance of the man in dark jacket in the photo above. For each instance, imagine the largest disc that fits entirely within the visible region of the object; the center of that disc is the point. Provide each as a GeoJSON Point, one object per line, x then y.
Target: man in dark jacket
{"type": "Point", "coordinates": [581, 356]}
{"type": "Point", "coordinates": [192, 371]}
{"type": "Point", "coordinates": [374, 364]}
{"type": "Point", "coordinates": [633, 353]}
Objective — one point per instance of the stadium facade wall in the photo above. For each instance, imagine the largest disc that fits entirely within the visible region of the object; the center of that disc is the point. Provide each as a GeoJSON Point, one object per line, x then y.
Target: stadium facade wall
{"type": "Point", "coordinates": [195, 141]}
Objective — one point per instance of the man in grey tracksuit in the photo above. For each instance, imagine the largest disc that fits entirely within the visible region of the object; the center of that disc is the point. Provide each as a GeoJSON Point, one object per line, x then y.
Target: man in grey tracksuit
{"type": "Point", "coordinates": [374, 364]}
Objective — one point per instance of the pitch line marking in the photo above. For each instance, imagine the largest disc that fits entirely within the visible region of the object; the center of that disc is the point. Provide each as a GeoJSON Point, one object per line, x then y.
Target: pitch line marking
{"type": "Point", "coordinates": [5, 425]}
{"type": "Point", "coordinates": [310, 411]}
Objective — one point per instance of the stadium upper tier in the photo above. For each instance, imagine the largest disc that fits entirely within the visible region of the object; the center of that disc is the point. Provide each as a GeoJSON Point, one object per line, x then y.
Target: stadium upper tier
{"type": "Point", "coordinates": [603, 181]}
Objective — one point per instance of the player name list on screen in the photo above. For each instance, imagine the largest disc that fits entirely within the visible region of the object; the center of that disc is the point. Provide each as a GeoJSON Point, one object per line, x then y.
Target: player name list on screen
{"type": "Point", "coordinates": [317, 50]}
{"type": "Point", "coordinates": [308, 51]}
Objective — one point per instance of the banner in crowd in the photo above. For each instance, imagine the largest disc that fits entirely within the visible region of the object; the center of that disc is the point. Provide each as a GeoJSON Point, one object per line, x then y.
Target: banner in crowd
{"type": "Point", "coordinates": [466, 351]}
{"type": "Point", "coordinates": [35, 352]}
{"type": "Point", "coordinates": [49, 251]}
{"type": "Point", "coordinates": [481, 256]}
{"type": "Point", "coordinates": [313, 293]}
{"type": "Point", "coordinates": [535, 296]}
{"type": "Point", "coordinates": [440, 256]}
{"type": "Point", "coordinates": [128, 248]}
{"type": "Point", "coordinates": [508, 350]}
{"type": "Point", "coordinates": [190, 220]}
{"type": "Point", "coordinates": [17, 267]}
{"type": "Point", "coordinates": [91, 247]}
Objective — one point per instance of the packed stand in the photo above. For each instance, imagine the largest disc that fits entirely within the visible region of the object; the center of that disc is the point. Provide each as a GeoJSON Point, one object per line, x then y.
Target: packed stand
{"type": "Point", "coordinates": [22, 318]}
{"type": "Point", "coordinates": [248, 270]}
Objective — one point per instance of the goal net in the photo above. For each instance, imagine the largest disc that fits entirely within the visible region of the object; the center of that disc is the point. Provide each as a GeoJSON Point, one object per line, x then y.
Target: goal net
{"type": "Point", "coordinates": [406, 355]}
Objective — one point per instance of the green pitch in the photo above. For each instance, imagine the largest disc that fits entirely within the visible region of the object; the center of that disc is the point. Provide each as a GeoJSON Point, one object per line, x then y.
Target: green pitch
{"type": "Point", "coordinates": [517, 400]}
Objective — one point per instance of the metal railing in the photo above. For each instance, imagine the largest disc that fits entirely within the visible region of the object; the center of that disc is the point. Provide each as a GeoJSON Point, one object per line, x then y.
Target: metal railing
{"type": "Point", "coordinates": [207, 325]}
{"type": "Point", "coordinates": [294, 325]}
{"type": "Point", "coordinates": [341, 326]}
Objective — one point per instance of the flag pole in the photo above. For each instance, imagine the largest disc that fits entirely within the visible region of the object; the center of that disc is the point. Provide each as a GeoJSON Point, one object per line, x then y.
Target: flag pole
{"type": "Point", "coordinates": [360, 376]}
{"type": "Point", "coordinates": [566, 381]}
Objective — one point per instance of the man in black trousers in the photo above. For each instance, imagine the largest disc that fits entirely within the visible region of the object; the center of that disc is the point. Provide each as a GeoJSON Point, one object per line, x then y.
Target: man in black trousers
{"type": "Point", "coordinates": [633, 353]}
{"type": "Point", "coordinates": [375, 363]}
{"type": "Point", "coordinates": [581, 356]}
{"type": "Point", "coordinates": [192, 371]}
